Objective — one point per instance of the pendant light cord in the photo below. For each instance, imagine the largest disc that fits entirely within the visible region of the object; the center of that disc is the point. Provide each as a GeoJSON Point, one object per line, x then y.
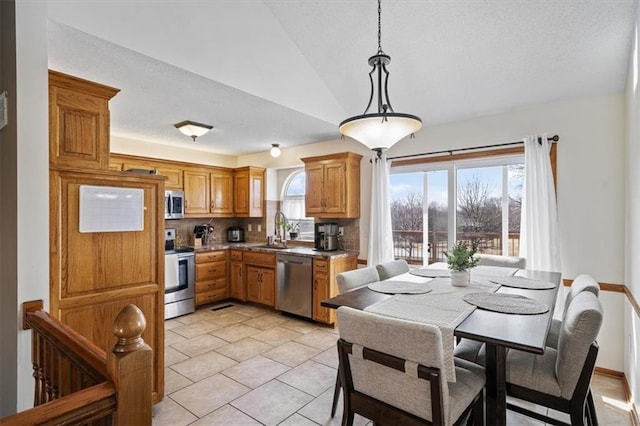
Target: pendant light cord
{"type": "Point", "coordinates": [379, 29]}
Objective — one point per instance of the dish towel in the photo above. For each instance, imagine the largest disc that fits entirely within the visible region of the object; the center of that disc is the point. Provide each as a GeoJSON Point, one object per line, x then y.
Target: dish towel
{"type": "Point", "coordinates": [443, 306]}
{"type": "Point", "coordinates": [171, 270]}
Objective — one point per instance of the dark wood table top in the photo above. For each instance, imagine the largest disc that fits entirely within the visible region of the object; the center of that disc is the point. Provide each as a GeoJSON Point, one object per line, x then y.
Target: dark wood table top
{"type": "Point", "coordinates": [524, 332]}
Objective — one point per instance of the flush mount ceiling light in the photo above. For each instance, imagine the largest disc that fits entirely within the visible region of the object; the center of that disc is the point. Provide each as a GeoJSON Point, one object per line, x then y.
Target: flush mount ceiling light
{"type": "Point", "coordinates": [193, 129]}
{"type": "Point", "coordinates": [275, 150]}
{"type": "Point", "coordinates": [380, 130]}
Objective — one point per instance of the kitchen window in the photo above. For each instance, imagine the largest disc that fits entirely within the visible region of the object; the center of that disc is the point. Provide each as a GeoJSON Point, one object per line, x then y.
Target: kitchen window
{"type": "Point", "coordinates": [435, 204]}
{"type": "Point", "coordinates": [293, 194]}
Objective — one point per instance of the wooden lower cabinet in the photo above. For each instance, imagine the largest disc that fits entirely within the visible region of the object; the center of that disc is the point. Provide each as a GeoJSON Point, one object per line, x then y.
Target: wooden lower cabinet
{"type": "Point", "coordinates": [237, 286]}
{"type": "Point", "coordinates": [326, 286]}
{"type": "Point", "coordinates": [211, 276]}
{"type": "Point", "coordinates": [260, 271]}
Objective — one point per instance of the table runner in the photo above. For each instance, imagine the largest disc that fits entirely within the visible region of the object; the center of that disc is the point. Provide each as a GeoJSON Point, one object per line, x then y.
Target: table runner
{"type": "Point", "coordinates": [399, 287]}
{"type": "Point", "coordinates": [443, 306]}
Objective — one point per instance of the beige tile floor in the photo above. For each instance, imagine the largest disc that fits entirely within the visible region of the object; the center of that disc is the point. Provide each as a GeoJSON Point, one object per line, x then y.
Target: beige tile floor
{"type": "Point", "coordinates": [245, 365]}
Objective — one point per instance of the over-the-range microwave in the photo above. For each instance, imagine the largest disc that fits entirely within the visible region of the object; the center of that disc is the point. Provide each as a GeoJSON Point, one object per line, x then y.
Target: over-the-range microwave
{"type": "Point", "coordinates": [173, 204]}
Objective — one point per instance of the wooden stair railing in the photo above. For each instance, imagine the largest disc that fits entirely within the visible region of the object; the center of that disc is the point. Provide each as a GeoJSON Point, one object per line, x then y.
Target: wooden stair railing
{"type": "Point", "coordinates": [76, 382]}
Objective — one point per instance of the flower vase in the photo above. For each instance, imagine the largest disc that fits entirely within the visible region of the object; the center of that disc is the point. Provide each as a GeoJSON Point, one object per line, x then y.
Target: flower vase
{"type": "Point", "coordinates": [460, 278]}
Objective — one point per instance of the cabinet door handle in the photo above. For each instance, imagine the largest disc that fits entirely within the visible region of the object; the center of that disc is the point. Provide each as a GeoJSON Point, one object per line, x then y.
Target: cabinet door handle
{"type": "Point", "coordinates": [186, 203]}
{"type": "Point", "coordinates": [212, 204]}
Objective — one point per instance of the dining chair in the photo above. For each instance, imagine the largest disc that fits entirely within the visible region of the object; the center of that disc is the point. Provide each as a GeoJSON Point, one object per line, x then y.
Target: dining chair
{"type": "Point", "coordinates": [393, 373]}
{"type": "Point", "coordinates": [473, 351]}
{"type": "Point", "coordinates": [560, 379]}
{"type": "Point", "coordinates": [504, 261]}
{"type": "Point", "coordinates": [391, 269]}
{"type": "Point", "coordinates": [582, 283]}
{"type": "Point", "coordinates": [349, 281]}
{"type": "Point", "coordinates": [356, 278]}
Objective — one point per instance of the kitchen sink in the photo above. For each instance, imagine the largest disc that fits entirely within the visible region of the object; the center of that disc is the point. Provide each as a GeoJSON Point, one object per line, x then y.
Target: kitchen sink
{"type": "Point", "coordinates": [266, 246]}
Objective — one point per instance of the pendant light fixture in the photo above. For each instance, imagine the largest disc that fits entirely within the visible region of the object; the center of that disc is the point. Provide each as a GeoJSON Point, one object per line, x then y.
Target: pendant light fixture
{"type": "Point", "coordinates": [193, 129]}
{"type": "Point", "coordinates": [380, 130]}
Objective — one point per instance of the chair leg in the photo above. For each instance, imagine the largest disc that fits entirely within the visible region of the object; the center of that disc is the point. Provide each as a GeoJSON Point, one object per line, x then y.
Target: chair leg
{"type": "Point", "coordinates": [336, 395]}
{"type": "Point", "coordinates": [591, 410]}
{"type": "Point", "coordinates": [477, 413]}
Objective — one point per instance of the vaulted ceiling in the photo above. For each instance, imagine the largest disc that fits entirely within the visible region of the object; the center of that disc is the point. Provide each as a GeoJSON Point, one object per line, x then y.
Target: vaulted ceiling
{"type": "Point", "coordinates": [282, 71]}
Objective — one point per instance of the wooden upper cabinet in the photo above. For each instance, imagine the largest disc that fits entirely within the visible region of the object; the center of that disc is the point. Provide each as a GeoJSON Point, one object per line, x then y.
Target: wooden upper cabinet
{"type": "Point", "coordinates": [78, 122]}
{"type": "Point", "coordinates": [248, 197]}
{"type": "Point", "coordinates": [333, 185]}
{"type": "Point", "coordinates": [196, 192]}
{"type": "Point", "coordinates": [222, 192]}
{"type": "Point", "coordinates": [173, 175]}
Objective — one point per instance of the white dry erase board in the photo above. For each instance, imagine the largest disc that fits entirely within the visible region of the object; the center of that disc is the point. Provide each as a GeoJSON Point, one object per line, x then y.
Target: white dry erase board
{"type": "Point", "coordinates": [111, 209]}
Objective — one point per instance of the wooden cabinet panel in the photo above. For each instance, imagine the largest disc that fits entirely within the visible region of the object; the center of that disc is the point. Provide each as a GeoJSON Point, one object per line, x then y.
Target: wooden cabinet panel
{"type": "Point", "coordinates": [78, 122]}
{"type": "Point", "coordinates": [334, 188]}
{"type": "Point", "coordinates": [196, 192]}
{"type": "Point", "coordinates": [260, 258]}
{"type": "Point", "coordinates": [222, 193]}
{"type": "Point", "coordinates": [326, 286]}
{"type": "Point", "coordinates": [94, 275]}
{"type": "Point", "coordinates": [248, 183]}
{"type": "Point", "coordinates": [313, 193]}
{"type": "Point", "coordinates": [173, 175]}
{"type": "Point", "coordinates": [333, 185]}
{"type": "Point", "coordinates": [211, 276]}
{"type": "Point", "coordinates": [261, 285]}
{"type": "Point", "coordinates": [253, 284]}
{"type": "Point", "coordinates": [237, 287]}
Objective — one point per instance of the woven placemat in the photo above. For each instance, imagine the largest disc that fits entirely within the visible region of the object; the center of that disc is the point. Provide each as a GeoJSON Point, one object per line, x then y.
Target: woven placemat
{"type": "Point", "coordinates": [523, 282]}
{"type": "Point", "coordinates": [399, 287]}
{"type": "Point", "coordinates": [431, 273]}
{"type": "Point", "coordinates": [506, 303]}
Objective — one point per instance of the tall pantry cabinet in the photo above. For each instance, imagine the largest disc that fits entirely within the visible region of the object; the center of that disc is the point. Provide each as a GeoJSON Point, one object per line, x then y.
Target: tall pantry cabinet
{"type": "Point", "coordinates": [94, 274]}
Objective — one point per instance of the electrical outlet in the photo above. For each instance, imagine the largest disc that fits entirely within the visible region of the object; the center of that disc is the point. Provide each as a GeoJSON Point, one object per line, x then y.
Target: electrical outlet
{"type": "Point", "coordinates": [259, 227]}
{"type": "Point", "coordinates": [341, 230]}
{"type": "Point", "coordinates": [249, 227]}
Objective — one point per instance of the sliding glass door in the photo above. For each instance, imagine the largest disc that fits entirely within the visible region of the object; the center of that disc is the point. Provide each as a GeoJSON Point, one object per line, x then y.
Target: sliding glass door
{"type": "Point", "coordinates": [440, 203]}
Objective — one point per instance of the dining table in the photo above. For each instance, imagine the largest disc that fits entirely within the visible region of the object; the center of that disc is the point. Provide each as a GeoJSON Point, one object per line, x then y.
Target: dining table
{"type": "Point", "coordinates": [497, 330]}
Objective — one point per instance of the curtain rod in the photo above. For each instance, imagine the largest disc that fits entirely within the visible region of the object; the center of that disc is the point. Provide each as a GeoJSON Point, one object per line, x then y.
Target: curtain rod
{"type": "Point", "coordinates": [553, 139]}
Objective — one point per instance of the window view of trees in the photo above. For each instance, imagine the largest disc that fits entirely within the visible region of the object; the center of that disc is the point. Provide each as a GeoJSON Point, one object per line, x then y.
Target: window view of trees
{"type": "Point", "coordinates": [484, 214]}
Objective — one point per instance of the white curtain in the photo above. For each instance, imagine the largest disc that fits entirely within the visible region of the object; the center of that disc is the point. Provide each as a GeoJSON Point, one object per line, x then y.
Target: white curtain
{"type": "Point", "coordinates": [380, 232]}
{"type": "Point", "coordinates": [539, 222]}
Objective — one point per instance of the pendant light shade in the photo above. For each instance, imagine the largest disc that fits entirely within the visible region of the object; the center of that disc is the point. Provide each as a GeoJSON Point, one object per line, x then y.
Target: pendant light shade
{"type": "Point", "coordinates": [380, 130]}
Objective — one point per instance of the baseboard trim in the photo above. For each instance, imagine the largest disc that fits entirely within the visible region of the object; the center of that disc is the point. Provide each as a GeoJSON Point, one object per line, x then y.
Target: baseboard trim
{"type": "Point", "coordinates": [611, 373]}
{"type": "Point", "coordinates": [627, 391]}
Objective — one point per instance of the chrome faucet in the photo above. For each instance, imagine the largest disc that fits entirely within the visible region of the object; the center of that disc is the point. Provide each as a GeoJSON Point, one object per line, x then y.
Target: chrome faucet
{"type": "Point", "coordinates": [280, 220]}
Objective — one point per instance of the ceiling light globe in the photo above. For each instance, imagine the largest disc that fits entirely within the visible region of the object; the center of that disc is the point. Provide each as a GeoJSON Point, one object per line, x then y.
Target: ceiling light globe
{"type": "Point", "coordinates": [275, 150]}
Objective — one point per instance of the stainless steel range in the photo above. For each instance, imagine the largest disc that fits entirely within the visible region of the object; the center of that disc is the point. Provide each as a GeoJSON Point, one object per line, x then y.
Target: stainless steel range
{"type": "Point", "coordinates": [179, 278]}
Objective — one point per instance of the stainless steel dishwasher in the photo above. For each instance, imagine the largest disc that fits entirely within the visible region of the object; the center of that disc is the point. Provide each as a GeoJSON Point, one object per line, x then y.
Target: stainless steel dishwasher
{"type": "Point", "coordinates": [295, 286]}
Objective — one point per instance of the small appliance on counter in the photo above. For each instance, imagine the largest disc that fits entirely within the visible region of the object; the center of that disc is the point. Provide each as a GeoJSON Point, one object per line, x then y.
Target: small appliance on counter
{"type": "Point", "coordinates": [235, 234]}
{"type": "Point", "coordinates": [326, 236]}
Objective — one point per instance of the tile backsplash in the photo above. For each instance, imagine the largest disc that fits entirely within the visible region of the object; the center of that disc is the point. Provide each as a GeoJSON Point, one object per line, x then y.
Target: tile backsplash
{"type": "Point", "coordinates": [260, 228]}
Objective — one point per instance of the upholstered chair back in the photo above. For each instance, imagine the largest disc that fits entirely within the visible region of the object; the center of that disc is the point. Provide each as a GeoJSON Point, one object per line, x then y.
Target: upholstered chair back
{"type": "Point", "coordinates": [356, 278]}
{"type": "Point", "coordinates": [391, 269]}
{"type": "Point", "coordinates": [578, 331]}
{"type": "Point", "coordinates": [504, 261]}
{"type": "Point", "coordinates": [582, 283]}
{"type": "Point", "coordinates": [415, 342]}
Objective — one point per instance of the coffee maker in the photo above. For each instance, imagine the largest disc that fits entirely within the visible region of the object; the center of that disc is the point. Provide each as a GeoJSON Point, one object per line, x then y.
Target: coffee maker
{"type": "Point", "coordinates": [326, 236]}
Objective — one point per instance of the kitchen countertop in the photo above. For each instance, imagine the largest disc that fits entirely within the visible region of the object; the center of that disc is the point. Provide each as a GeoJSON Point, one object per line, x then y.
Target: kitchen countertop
{"type": "Point", "coordinates": [292, 250]}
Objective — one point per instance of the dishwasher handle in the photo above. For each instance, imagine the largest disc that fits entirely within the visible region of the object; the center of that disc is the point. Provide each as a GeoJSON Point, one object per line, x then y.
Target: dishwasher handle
{"type": "Point", "coordinates": [295, 260]}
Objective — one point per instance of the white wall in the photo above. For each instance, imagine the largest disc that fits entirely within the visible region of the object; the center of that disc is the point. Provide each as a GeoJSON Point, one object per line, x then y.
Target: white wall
{"type": "Point", "coordinates": [632, 270]}
{"type": "Point", "coordinates": [169, 152]}
{"type": "Point", "coordinates": [33, 175]}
